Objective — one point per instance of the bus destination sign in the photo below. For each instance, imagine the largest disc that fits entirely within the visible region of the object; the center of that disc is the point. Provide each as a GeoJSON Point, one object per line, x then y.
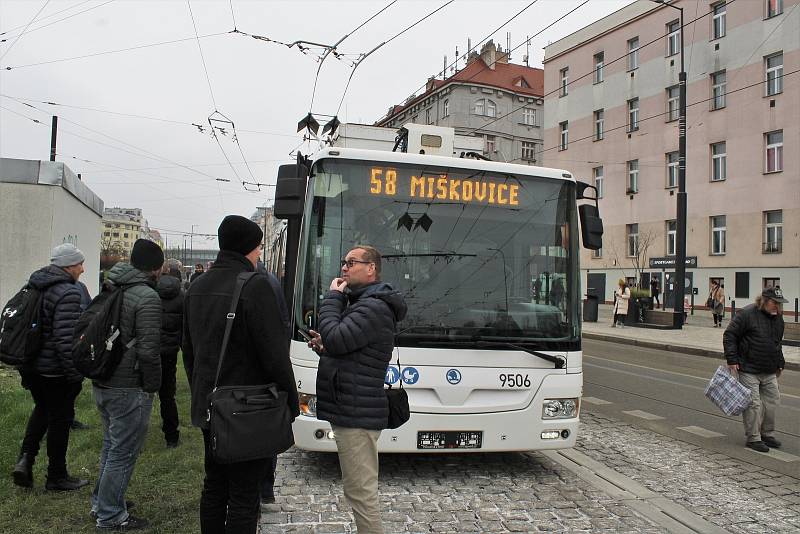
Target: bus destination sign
{"type": "Point", "coordinates": [386, 182]}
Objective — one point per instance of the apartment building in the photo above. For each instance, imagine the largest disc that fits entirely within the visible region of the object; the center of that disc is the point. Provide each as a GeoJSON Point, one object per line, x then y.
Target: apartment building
{"type": "Point", "coordinates": [490, 98]}
{"type": "Point", "coordinates": [611, 118]}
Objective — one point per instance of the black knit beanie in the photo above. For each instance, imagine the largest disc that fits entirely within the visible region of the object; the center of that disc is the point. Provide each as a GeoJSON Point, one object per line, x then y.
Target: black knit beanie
{"type": "Point", "coordinates": [146, 255]}
{"type": "Point", "coordinates": [239, 234]}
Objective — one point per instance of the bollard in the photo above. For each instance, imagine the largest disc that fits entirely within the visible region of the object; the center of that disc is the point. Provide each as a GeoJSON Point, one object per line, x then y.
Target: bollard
{"type": "Point", "coordinates": [733, 309]}
{"type": "Point", "coordinates": [795, 309]}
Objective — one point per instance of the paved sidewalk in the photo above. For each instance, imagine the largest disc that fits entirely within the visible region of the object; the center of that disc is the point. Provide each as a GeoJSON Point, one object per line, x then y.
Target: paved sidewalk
{"type": "Point", "coordinates": [698, 336]}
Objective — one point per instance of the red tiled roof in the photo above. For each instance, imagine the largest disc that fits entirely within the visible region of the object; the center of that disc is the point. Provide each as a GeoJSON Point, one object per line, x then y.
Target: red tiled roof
{"type": "Point", "coordinates": [516, 78]}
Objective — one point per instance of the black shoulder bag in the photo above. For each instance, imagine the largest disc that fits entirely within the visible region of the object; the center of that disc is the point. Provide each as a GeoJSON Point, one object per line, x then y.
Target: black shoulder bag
{"type": "Point", "coordinates": [246, 422]}
{"type": "Point", "coordinates": [399, 411]}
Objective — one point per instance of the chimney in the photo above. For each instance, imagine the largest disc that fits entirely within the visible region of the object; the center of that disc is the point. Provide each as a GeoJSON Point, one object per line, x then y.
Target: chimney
{"type": "Point", "coordinates": [489, 54]}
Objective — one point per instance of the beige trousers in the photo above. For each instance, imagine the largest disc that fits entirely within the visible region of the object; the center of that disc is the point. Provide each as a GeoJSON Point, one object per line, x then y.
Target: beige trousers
{"type": "Point", "coordinates": [759, 418]}
{"type": "Point", "coordinates": [358, 459]}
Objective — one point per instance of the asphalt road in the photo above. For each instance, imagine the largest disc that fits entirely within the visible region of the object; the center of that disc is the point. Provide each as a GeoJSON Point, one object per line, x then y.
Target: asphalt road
{"type": "Point", "coordinates": [663, 391]}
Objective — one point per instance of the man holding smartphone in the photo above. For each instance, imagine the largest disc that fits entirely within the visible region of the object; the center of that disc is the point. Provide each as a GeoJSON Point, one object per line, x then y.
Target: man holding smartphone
{"type": "Point", "coordinates": [357, 322]}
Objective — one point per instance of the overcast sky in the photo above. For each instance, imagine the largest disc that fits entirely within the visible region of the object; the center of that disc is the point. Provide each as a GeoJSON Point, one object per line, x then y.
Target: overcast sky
{"type": "Point", "coordinates": [168, 167]}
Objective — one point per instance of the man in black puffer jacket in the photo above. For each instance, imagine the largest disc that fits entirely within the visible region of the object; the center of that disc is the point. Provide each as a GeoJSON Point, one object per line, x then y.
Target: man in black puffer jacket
{"type": "Point", "coordinates": [169, 289]}
{"type": "Point", "coordinates": [51, 377]}
{"type": "Point", "coordinates": [357, 322]}
{"type": "Point", "coordinates": [752, 345]}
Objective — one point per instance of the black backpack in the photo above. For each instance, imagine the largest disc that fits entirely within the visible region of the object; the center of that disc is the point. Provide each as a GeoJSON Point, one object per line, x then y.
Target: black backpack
{"type": "Point", "coordinates": [20, 327]}
{"type": "Point", "coordinates": [97, 346]}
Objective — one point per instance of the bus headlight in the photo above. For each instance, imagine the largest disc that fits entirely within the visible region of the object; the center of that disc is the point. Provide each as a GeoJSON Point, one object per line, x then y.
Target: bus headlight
{"type": "Point", "coordinates": [559, 408]}
{"type": "Point", "coordinates": [308, 404]}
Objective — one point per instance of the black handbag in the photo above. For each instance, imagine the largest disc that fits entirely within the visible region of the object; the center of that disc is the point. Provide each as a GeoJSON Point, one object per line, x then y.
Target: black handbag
{"type": "Point", "coordinates": [399, 411]}
{"type": "Point", "coordinates": [246, 422]}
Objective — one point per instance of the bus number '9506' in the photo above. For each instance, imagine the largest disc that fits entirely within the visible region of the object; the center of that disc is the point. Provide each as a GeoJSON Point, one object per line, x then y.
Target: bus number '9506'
{"type": "Point", "coordinates": [511, 380]}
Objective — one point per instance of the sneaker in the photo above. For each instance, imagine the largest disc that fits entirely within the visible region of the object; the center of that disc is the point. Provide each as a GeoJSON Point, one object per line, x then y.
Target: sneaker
{"type": "Point", "coordinates": [128, 505]}
{"type": "Point", "coordinates": [67, 483]}
{"type": "Point", "coordinates": [23, 471]}
{"type": "Point", "coordinates": [771, 442]}
{"type": "Point", "coordinates": [132, 523]}
{"type": "Point", "coordinates": [758, 446]}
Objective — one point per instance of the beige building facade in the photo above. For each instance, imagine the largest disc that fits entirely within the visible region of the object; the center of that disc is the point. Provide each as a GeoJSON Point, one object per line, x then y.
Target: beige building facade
{"type": "Point", "coordinates": [121, 228]}
{"type": "Point", "coordinates": [611, 118]}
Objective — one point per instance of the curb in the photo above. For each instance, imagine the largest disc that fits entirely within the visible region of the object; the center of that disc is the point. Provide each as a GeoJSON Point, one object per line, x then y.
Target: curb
{"type": "Point", "coordinates": [682, 349]}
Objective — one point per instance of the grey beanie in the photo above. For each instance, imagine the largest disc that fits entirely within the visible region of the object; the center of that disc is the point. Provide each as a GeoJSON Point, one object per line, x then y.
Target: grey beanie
{"type": "Point", "coordinates": [66, 255]}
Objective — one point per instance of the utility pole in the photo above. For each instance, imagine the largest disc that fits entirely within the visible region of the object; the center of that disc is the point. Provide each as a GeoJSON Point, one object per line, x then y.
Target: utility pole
{"type": "Point", "coordinates": [264, 248]}
{"type": "Point", "coordinates": [680, 249]}
{"type": "Point", "coordinates": [191, 241]}
{"type": "Point", "coordinates": [53, 136]}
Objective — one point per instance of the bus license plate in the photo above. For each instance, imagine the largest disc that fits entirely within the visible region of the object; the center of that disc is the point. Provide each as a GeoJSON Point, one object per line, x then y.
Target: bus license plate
{"type": "Point", "coordinates": [453, 439]}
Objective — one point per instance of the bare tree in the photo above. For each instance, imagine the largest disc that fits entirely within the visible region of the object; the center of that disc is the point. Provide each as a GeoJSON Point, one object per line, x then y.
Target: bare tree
{"type": "Point", "coordinates": [111, 252]}
{"type": "Point", "coordinates": [640, 247]}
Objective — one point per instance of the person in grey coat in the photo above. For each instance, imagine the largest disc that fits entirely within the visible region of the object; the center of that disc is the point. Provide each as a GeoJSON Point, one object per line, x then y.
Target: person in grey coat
{"type": "Point", "coordinates": [125, 399]}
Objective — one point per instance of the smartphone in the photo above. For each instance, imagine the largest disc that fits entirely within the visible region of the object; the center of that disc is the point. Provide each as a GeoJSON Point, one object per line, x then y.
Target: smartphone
{"type": "Point", "coordinates": [305, 334]}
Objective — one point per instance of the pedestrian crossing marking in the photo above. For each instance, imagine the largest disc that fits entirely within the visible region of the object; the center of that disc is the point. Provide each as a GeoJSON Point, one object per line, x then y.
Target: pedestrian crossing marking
{"type": "Point", "coordinates": [644, 415]}
{"type": "Point", "coordinates": [595, 400]}
{"type": "Point", "coordinates": [700, 431]}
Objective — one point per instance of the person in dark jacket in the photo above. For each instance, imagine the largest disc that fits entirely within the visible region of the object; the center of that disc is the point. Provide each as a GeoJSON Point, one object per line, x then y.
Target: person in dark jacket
{"type": "Point", "coordinates": [258, 353]}
{"type": "Point", "coordinates": [169, 289]}
{"type": "Point", "coordinates": [198, 271]}
{"type": "Point", "coordinates": [357, 321]}
{"type": "Point", "coordinates": [752, 344]}
{"type": "Point", "coordinates": [86, 299]}
{"type": "Point", "coordinates": [125, 399]}
{"type": "Point", "coordinates": [52, 378]}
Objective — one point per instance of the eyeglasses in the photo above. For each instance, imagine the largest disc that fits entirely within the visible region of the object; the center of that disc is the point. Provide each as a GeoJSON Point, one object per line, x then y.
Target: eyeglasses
{"type": "Point", "coordinates": [350, 263]}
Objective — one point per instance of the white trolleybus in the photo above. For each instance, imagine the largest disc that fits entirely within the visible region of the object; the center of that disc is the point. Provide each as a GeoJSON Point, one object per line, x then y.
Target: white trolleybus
{"type": "Point", "coordinates": [486, 256]}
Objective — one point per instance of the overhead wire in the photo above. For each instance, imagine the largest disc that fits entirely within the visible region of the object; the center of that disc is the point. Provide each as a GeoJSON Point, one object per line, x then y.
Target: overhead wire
{"type": "Point", "coordinates": [15, 28]}
{"type": "Point", "coordinates": [24, 30]}
{"type": "Point", "coordinates": [381, 45]}
{"type": "Point", "coordinates": [37, 28]}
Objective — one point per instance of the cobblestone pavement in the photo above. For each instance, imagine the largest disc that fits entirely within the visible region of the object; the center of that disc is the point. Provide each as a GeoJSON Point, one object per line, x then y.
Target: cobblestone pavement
{"type": "Point", "coordinates": [737, 496]}
{"type": "Point", "coordinates": [515, 492]}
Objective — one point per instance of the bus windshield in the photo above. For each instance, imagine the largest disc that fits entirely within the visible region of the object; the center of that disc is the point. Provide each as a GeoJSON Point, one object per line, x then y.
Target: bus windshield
{"type": "Point", "coordinates": [478, 255]}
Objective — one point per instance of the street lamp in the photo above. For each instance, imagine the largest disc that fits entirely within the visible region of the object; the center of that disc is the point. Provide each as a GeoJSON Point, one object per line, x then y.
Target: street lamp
{"type": "Point", "coordinates": [680, 249]}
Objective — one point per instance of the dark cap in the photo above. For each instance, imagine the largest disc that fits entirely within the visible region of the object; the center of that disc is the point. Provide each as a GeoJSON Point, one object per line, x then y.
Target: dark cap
{"type": "Point", "coordinates": [239, 234]}
{"type": "Point", "coordinates": [773, 293]}
{"type": "Point", "coordinates": [146, 255]}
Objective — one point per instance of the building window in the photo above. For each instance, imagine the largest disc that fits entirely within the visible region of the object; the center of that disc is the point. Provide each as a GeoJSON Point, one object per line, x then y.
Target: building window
{"type": "Point", "coordinates": [597, 173]}
{"type": "Point", "coordinates": [774, 7]}
{"type": "Point", "coordinates": [564, 127]}
{"type": "Point", "coordinates": [773, 232]}
{"type": "Point", "coordinates": [115, 234]}
{"type": "Point", "coordinates": [633, 53]}
{"type": "Point", "coordinates": [719, 162]}
{"type": "Point", "coordinates": [485, 107]}
{"type": "Point", "coordinates": [529, 116]}
{"type": "Point", "coordinates": [718, 231]}
{"type": "Point", "coordinates": [597, 253]}
{"type": "Point", "coordinates": [564, 81]}
{"type": "Point", "coordinates": [107, 234]}
{"type": "Point", "coordinates": [718, 88]}
{"type": "Point", "coordinates": [428, 116]}
{"type": "Point", "coordinates": [480, 107]}
{"type": "Point", "coordinates": [774, 151]}
{"type": "Point", "coordinates": [529, 151]}
{"type": "Point", "coordinates": [446, 108]}
{"type": "Point", "coordinates": [598, 67]}
{"type": "Point", "coordinates": [633, 177]}
{"type": "Point", "coordinates": [125, 235]}
{"type": "Point", "coordinates": [598, 124]}
{"type": "Point", "coordinates": [773, 66]}
{"type": "Point", "coordinates": [673, 103]}
{"type": "Point", "coordinates": [672, 239]}
{"type": "Point", "coordinates": [672, 169]}
{"type": "Point", "coordinates": [673, 38]}
{"type": "Point", "coordinates": [489, 144]}
{"type": "Point", "coordinates": [633, 114]}
{"type": "Point", "coordinates": [718, 20]}
{"type": "Point", "coordinates": [632, 232]}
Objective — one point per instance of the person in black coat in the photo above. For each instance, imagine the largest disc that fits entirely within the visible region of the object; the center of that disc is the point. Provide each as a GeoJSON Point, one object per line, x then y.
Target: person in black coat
{"type": "Point", "coordinates": [752, 344]}
{"type": "Point", "coordinates": [52, 378]}
{"type": "Point", "coordinates": [258, 353]}
{"type": "Point", "coordinates": [357, 321]}
{"type": "Point", "coordinates": [169, 289]}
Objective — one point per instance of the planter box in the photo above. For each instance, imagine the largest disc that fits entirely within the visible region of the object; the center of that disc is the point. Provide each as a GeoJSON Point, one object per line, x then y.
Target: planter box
{"type": "Point", "coordinates": [659, 317]}
{"type": "Point", "coordinates": [791, 331]}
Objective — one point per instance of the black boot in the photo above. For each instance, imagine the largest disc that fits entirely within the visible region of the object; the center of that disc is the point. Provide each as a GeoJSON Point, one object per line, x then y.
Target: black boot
{"type": "Point", "coordinates": [66, 483]}
{"type": "Point", "coordinates": [23, 471]}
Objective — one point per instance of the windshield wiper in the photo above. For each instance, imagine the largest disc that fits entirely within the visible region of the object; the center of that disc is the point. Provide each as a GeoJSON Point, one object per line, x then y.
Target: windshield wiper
{"type": "Point", "coordinates": [558, 361]}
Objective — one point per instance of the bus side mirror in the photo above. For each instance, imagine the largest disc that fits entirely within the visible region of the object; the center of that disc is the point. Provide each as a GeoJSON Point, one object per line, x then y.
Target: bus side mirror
{"type": "Point", "coordinates": [290, 191]}
{"type": "Point", "coordinates": [591, 226]}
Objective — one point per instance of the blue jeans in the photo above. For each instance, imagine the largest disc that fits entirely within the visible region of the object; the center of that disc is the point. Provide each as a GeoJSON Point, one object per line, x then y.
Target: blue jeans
{"type": "Point", "coordinates": [125, 413]}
